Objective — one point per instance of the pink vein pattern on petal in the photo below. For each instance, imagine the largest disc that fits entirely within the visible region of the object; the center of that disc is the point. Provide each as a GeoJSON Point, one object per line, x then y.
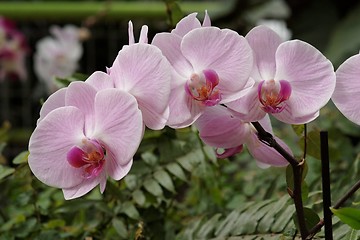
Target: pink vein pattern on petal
{"type": "Point", "coordinates": [100, 80]}
{"type": "Point", "coordinates": [186, 24]}
{"type": "Point", "coordinates": [54, 101]}
{"type": "Point", "coordinates": [169, 45]}
{"type": "Point", "coordinates": [54, 136]}
{"type": "Point", "coordinates": [347, 91]}
{"type": "Point", "coordinates": [310, 75]}
{"type": "Point", "coordinates": [141, 70]}
{"type": "Point", "coordinates": [82, 95]}
{"type": "Point", "coordinates": [264, 43]}
{"type": "Point", "coordinates": [118, 124]}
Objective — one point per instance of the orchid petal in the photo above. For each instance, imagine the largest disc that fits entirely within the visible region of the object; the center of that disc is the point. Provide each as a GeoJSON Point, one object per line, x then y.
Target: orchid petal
{"type": "Point", "coordinates": [54, 101]}
{"type": "Point", "coordinates": [248, 107]}
{"type": "Point", "coordinates": [81, 95]}
{"type": "Point", "coordinates": [266, 123]}
{"type": "Point", "coordinates": [115, 170]}
{"type": "Point", "coordinates": [143, 34]}
{"type": "Point", "coordinates": [49, 144]}
{"type": "Point", "coordinates": [99, 81]}
{"type": "Point", "coordinates": [265, 154]}
{"type": "Point", "coordinates": [207, 21]}
{"type": "Point", "coordinates": [118, 124]}
{"type": "Point", "coordinates": [264, 43]}
{"type": "Point", "coordinates": [219, 128]}
{"type": "Point", "coordinates": [229, 152]}
{"type": "Point", "coordinates": [310, 75]}
{"type": "Point", "coordinates": [131, 33]}
{"type": "Point", "coordinates": [183, 109]}
{"type": "Point", "coordinates": [346, 94]}
{"type": "Point", "coordinates": [169, 44]}
{"type": "Point", "coordinates": [186, 24]}
{"type": "Point", "coordinates": [142, 70]}
{"type": "Point", "coordinates": [287, 116]}
{"type": "Point", "coordinates": [223, 51]}
{"type": "Point", "coordinates": [84, 187]}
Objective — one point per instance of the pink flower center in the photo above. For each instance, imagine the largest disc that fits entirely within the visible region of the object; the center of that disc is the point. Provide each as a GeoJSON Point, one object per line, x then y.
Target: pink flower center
{"type": "Point", "coordinates": [202, 87]}
{"type": "Point", "coordinates": [273, 95]}
{"type": "Point", "coordinates": [90, 157]}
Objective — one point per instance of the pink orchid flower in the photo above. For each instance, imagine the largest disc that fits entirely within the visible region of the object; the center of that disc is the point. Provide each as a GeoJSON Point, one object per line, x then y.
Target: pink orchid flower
{"type": "Point", "coordinates": [13, 51]}
{"type": "Point", "coordinates": [97, 80]}
{"type": "Point", "coordinates": [84, 135]}
{"type": "Point", "coordinates": [189, 23]}
{"type": "Point", "coordinates": [293, 80]}
{"type": "Point", "coordinates": [219, 127]}
{"type": "Point", "coordinates": [141, 70]}
{"type": "Point", "coordinates": [211, 66]}
{"type": "Point", "coordinates": [347, 90]}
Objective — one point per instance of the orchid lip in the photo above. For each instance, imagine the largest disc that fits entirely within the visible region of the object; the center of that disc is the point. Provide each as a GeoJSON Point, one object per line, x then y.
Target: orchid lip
{"type": "Point", "coordinates": [202, 88]}
{"type": "Point", "coordinates": [228, 152]}
{"type": "Point", "coordinates": [273, 95]}
{"type": "Point", "coordinates": [90, 157]}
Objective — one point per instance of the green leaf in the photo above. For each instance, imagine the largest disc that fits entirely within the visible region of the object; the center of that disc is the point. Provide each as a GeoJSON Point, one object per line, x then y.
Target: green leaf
{"type": "Point", "coordinates": [282, 220]}
{"type": "Point", "coordinates": [340, 232]}
{"type": "Point", "coordinates": [266, 222]}
{"type": "Point", "coordinates": [176, 170]}
{"type": "Point", "coordinates": [26, 227]}
{"type": "Point", "coordinates": [190, 160]}
{"type": "Point", "coordinates": [165, 180]}
{"type": "Point", "coordinates": [5, 171]}
{"type": "Point", "coordinates": [313, 144]}
{"type": "Point", "coordinates": [21, 157]}
{"type": "Point", "coordinates": [54, 223]}
{"type": "Point", "coordinates": [74, 205]}
{"type": "Point", "coordinates": [176, 14]}
{"type": "Point", "coordinates": [210, 154]}
{"type": "Point", "coordinates": [131, 181]}
{"type": "Point", "coordinates": [153, 187]}
{"type": "Point", "coordinates": [227, 224]}
{"type": "Point", "coordinates": [63, 82]}
{"type": "Point", "coordinates": [149, 158]}
{"type": "Point", "coordinates": [298, 129]}
{"type": "Point", "coordinates": [120, 228]}
{"type": "Point", "coordinates": [80, 76]}
{"type": "Point", "coordinates": [130, 210]}
{"type": "Point", "coordinates": [139, 197]}
{"type": "Point", "coordinates": [350, 216]}
{"type": "Point", "coordinates": [2, 146]}
{"type": "Point", "coordinates": [352, 235]}
{"type": "Point", "coordinates": [311, 218]}
{"type": "Point", "coordinates": [208, 227]}
{"type": "Point", "coordinates": [248, 220]}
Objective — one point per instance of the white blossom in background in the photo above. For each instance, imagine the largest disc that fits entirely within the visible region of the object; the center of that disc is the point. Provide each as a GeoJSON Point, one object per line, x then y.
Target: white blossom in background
{"type": "Point", "coordinates": [58, 55]}
{"type": "Point", "coordinates": [278, 26]}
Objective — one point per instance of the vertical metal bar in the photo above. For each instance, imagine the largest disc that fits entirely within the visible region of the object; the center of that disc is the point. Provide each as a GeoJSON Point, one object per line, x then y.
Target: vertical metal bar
{"type": "Point", "coordinates": [325, 169]}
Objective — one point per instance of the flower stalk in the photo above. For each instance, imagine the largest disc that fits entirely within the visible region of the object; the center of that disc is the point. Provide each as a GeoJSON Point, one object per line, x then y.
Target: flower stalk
{"type": "Point", "coordinates": [297, 167]}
